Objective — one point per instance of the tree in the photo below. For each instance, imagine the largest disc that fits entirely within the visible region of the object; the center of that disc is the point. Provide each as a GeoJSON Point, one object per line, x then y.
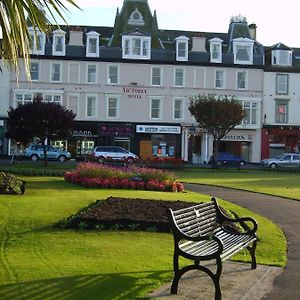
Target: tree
{"type": "Point", "coordinates": [14, 15]}
{"type": "Point", "coordinates": [216, 116]}
{"type": "Point", "coordinates": [44, 120]}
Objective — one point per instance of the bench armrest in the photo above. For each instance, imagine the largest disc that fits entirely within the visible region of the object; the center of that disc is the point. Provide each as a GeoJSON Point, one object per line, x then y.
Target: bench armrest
{"type": "Point", "coordinates": [242, 221]}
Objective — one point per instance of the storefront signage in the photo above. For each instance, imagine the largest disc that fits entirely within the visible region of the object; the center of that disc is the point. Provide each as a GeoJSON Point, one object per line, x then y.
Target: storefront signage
{"type": "Point", "coordinates": [115, 131]}
{"type": "Point", "coordinates": [158, 129]}
{"type": "Point", "coordinates": [246, 137]}
{"type": "Point", "coordinates": [134, 93]}
{"type": "Point", "coordinates": [83, 133]}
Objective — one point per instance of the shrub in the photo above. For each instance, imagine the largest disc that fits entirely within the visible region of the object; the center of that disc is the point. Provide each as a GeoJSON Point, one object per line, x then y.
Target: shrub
{"type": "Point", "coordinates": [95, 175]}
{"type": "Point", "coordinates": [11, 185]}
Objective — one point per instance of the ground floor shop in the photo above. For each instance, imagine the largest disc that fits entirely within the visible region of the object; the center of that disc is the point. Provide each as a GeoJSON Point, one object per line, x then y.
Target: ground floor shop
{"type": "Point", "coordinates": [279, 139]}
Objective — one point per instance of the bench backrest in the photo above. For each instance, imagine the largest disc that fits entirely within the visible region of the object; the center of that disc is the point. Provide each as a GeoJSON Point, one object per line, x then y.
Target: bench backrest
{"type": "Point", "coordinates": [196, 220]}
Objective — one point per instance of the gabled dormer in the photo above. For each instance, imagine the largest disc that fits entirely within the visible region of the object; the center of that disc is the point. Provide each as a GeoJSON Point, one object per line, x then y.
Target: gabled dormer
{"type": "Point", "coordinates": [281, 55]}
{"type": "Point", "coordinates": [37, 41]}
{"type": "Point", "coordinates": [92, 44]}
{"type": "Point", "coordinates": [182, 48]}
{"type": "Point", "coordinates": [136, 45]}
{"type": "Point", "coordinates": [215, 46]}
{"type": "Point", "coordinates": [59, 43]}
{"type": "Point", "coordinates": [243, 51]}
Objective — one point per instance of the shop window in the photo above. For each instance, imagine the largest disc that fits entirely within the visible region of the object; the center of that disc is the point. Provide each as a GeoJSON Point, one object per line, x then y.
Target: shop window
{"type": "Point", "coordinates": [163, 146]}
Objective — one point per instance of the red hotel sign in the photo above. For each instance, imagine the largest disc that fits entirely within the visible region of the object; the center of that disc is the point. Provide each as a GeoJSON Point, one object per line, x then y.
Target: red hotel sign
{"type": "Point", "coordinates": [134, 93]}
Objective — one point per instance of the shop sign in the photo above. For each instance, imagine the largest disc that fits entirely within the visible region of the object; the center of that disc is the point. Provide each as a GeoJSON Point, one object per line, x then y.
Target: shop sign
{"type": "Point", "coordinates": [115, 131]}
{"type": "Point", "coordinates": [158, 129]}
{"type": "Point", "coordinates": [240, 137]}
{"type": "Point", "coordinates": [134, 93]}
{"type": "Point", "coordinates": [83, 133]}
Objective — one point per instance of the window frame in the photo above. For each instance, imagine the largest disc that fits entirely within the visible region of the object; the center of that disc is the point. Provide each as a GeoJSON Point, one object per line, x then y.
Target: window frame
{"type": "Point", "coordinates": [87, 73]}
{"type": "Point", "coordinates": [286, 91]}
{"type": "Point", "coordinates": [182, 40]}
{"type": "Point", "coordinates": [253, 109]}
{"type": "Point", "coordinates": [34, 35]}
{"type": "Point", "coordinates": [60, 71]}
{"type": "Point", "coordinates": [277, 57]}
{"type": "Point", "coordinates": [160, 76]}
{"type": "Point", "coordinates": [59, 34]}
{"type": "Point", "coordinates": [154, 98]}
{"type": "Point", "coordinates": [278, 115]}
{"type": "Point", "coordinates": [181, 99]}
{"type": "Point", "coordinates": [244, 43]}
{"type": "Point", "coordinates": [212, 43]}
{"type": "Point", "coordinates": [91, 36]}
{"type": "Point", "coordinates": [95, 96]}
{"type": "Point", "coordinates": [175, 77]}
{"type": "Point", "coordinates": [108, 74]}
{"type": "Point", "coordinates": [38, 70]}
{"type": "Point", "coordinates": [117, 108]}
{"type": "Point", "coordinates": [223, 79]}
{"type": "Point", "coordinates": [245, 80]}
{"type": "Point", "coordinates": [128, 47]}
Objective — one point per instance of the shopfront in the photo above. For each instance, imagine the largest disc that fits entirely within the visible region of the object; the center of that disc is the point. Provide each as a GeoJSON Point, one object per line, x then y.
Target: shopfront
{"type": "Point", "coordinates": [279, 139]}
{"type": "Point", "coordinates": [158, 141]}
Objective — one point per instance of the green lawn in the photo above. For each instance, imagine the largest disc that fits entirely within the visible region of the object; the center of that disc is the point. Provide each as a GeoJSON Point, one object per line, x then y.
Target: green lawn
{"type": "Point", "coordinates": [284, 184]}
{"type": "Point", "coordinates": [40, 262]}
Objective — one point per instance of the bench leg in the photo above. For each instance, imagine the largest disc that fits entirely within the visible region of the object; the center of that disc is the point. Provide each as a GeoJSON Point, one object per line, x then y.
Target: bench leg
{"type": "Point", "coordinates": [252, 253]}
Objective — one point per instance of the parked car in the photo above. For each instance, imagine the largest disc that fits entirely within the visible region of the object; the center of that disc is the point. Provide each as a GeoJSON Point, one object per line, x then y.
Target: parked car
{"type": "Point", "coordinates": [283, 160]}
{"type": "Point", "coordinates": [226, 158]}
{"type": "Point", "coordinates": [113, 153]}
{"type": "Point", "coordinates": [36, 152]}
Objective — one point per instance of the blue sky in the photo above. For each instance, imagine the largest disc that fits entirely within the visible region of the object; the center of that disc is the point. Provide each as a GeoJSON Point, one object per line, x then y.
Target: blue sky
{"type": "Point", "coordinates": [276, 21]}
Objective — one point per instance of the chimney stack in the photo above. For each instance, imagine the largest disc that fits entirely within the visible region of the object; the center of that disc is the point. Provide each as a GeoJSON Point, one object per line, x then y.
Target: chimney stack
{"type": "Point", "coordinates": [76, 36]}
{"type": "Point", "coordinates": [198, 43]}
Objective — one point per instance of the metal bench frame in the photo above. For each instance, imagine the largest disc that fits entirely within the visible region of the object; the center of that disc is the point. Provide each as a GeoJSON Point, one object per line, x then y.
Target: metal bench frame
{"type": "Point", "coordinates": [200, 234]}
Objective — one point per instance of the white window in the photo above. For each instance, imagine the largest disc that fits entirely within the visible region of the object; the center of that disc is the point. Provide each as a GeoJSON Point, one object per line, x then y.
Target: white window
{"type": "Point", "coordinates": [156, 79]}
{"type": "Point", "coordinates": [56, 72]}
{"type": "Point", "coordinates": [91, 74]}
{"type": "Point", "coordinates": [182, 48]}
{"type": "Point", "coordinates": [92, 44]}
{"type": "Point", "coordinates": [216, 50]}
{"type": "Point", "coordinates": [136, 47]}
{"type": "Point", "coordinates": [155, 110]}
{"type": "Point", "coordinates": [251, 112]}
{"type": "Point", "coordinates": [219, 79]}
{"type": "Point", "coordinates": [112, 106]}
{"type": "Point", "coordinates": [52, 98]}
{"type": "Point", "coordinates": [37, 42]}
{"type": "Point", "coordinates": [281, 112]}
{"type": "Point", "coordinates": [179, 77]}
{"type": "Point", "coordinates": [113, 74]}
{"type": "Point", "coordinates": [241, 80]}
{"type": "Point", "coordinates": [243, 51]}
{"type": "Point", "coordinates": [59, 43]}
{"type": "Point", "coordinates": [23, 98]}
{"type": "Point", "coordinates": [91, 105]}
{"type": "Point", "coordinates": [34, 70]}
{"type": "Point", "coordinates": [282, 57]}
{"type": "Point", "coordinates": [282, 84]}
{"type": "Point", "coordinates": [178, 108]}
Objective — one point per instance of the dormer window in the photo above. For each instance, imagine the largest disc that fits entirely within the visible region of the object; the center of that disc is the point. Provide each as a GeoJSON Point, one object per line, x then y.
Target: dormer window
{"type": "Point", "coordinates": [136, 47]}
{"type": "Point", "coordinates": [243, 51]}
{"type": "Point", "coordinates": [59, 43]}
{"type": "Point", "coordinates": [182, 48]}
{"type": "Point", "coordinates": [92, 44]}
{"type": "Point", "coordinates": [216, 50]}
{"type": "Point", "coordinates": [37, 42]}
{"type": "Point", "coordinates": [282, 57]}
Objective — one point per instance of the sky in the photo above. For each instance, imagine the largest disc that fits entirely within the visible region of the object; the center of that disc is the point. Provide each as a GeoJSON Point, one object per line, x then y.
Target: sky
{"type": "Point", "coordinates": [276, 22]}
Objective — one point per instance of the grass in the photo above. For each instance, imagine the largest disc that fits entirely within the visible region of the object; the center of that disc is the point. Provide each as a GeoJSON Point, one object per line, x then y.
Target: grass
{"type": "Point", "coordinates": [282, 184]}
{"type": "Point", "coordinates": [40, 262]}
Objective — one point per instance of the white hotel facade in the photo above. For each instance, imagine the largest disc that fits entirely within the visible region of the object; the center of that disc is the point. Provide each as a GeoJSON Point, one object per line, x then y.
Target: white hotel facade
{"type": "Point", "coordinates": [131, 85]}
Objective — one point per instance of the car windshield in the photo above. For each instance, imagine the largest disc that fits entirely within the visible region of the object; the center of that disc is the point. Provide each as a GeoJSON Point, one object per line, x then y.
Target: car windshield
{"type": "Point", "coordinates": [280, 156]}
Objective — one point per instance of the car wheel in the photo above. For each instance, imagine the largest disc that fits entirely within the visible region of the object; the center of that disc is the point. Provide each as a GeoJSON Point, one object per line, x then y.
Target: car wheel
{"type": "Point", "coordinates": [101, 159]}
{"type": "Point", "coordinates": [34, 157]}
{"type": "Point", "coordinates": [61, 158]}
{"type": "Point", "coordinates": [130, 160]}
{"type": "Point", "coordinates": [273, 166]}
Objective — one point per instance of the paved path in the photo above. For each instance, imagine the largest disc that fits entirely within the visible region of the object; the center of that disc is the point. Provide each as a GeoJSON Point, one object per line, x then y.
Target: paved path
{"type": "Point", "coordinates": [283, 212]}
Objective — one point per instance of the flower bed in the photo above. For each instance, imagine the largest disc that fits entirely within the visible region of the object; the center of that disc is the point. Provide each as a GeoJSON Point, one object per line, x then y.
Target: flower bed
{"type": "Point", "coordinates": [103, 176]}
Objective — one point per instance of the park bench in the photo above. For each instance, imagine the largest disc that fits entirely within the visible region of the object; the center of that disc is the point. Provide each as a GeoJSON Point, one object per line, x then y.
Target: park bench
{"type": "Point", "coordinates": [202, 233]}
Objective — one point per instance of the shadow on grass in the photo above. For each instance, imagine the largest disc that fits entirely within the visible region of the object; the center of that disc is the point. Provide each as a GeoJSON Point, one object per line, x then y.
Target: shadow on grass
{"type": "Point", "coordinates": [87, 287]}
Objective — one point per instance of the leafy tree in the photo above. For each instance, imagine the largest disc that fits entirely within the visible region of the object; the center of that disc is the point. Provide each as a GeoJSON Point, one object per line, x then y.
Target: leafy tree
{"type": "Point", "coordinates": [217, 116]}
{"type": "Point", "coordinates": [44, 120]}
{"type": "Point", "coordinates": [14, 15]}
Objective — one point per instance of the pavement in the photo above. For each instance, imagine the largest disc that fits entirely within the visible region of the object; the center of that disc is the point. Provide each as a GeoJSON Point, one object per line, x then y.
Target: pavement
{"type": "Point", "coordinates": [238, 281]}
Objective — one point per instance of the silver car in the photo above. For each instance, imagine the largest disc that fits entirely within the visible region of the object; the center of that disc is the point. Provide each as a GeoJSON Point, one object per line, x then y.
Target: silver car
{"type": "Point", "coordinates": [284, 160]}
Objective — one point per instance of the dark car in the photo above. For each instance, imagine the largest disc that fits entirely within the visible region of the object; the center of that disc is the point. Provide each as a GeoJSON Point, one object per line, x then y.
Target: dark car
{"type": "Point", "coordinates": [226, 158]}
